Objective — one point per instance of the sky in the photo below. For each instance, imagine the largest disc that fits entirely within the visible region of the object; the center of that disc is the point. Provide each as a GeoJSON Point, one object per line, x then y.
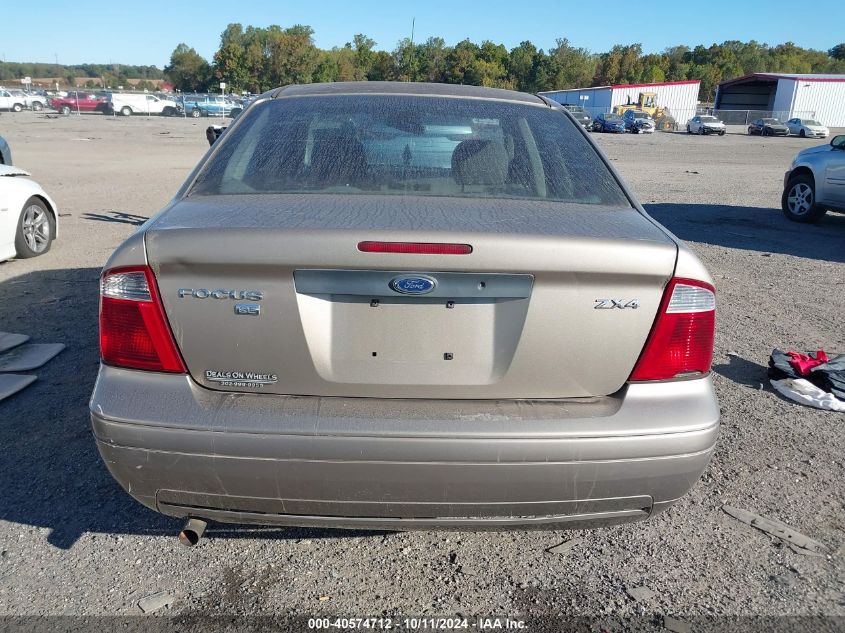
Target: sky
{"type": "Point", "coordinates": [103, 31]}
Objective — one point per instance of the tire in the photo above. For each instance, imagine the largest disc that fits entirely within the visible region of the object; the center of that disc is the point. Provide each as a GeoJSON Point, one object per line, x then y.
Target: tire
{"type": "Point", "coordinates": [802, 134]}
{"type": "Point", "coordinates": [126, 111]}
{"type": "Point", "coordinates": [701, 131]}
{"type": "Point", "coordinates": [37, 106]}
{"type": "Point", "coordinates": [799, 200]}
{"type": "Point", "coordinates": [196, 113]}
{"type": "Point", "coordinates": [65, 110]}
{"type": "Point", "coordinates": [36, 229]}
{"type": "Point", "coordinates": [17, 107]}
{"type": "Point", "coordinates": [689, 131]}
{"type": "Point", "coordinates": [168, 111]}
{"type": "Point", "coordinates": [722, 133]}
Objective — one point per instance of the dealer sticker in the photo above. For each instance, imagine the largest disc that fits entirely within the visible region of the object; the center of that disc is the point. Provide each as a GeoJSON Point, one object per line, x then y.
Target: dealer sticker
{"type": "Point", "coordinates": [252, 380]}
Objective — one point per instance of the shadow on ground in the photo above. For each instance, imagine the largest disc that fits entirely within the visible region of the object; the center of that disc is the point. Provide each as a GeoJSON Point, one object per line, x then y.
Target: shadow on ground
{"type": "Point", "coordinates": [117, 217]}
{"type": "Point", "coordinates": [51, 474]}
{"type": "Point", "coordinates": [743, 372]}
{"type": "Point", "coordinates": [754, 228]}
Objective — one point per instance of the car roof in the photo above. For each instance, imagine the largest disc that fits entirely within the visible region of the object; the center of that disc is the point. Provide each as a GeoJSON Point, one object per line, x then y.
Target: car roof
{"type": "Point", "coordinates": [402, 88]}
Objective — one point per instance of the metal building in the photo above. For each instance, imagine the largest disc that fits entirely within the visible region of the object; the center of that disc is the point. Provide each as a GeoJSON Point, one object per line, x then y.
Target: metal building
{"type": "Point", "coordinates": [681, 97]}
{"type": "Point", "coordinates": [783, 95]}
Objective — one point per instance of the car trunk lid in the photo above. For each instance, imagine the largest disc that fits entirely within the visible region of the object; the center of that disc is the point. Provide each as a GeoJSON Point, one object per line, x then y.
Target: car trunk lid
{"type": "Point", "coordinates": [271, 293]}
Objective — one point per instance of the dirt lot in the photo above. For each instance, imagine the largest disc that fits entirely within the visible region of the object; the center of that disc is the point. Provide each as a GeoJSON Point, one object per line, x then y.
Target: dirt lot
{"type": "Point", "coordinates": [73, 543]}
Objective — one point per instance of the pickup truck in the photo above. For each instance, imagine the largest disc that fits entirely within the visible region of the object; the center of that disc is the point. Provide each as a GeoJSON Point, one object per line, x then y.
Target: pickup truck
{"type": "Point", "coordinates": [208, 105]}
{"type": "Point", "coordinates": [31, 101]}
{"type": "Point", "coordinates": [8, 101]}
{"type": "Point", "coordinates": [79, 102]}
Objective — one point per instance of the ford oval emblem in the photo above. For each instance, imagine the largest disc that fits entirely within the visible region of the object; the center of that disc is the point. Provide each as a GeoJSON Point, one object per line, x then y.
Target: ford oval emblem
{"type": "Point", "coordinates": [413, 284]}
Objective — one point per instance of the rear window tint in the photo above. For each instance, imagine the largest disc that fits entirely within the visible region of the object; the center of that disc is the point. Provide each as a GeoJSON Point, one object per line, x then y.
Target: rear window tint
{"type": "Point", "coordinates": [403, 145]}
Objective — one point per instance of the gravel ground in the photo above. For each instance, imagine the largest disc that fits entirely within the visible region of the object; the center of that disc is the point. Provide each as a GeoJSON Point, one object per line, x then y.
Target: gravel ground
{"type": "Point", "coordinates": [73, 543]}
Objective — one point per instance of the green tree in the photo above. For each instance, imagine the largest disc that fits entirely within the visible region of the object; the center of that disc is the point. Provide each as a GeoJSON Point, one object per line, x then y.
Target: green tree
{"type": "Point", "coordinates": [364, 55]}
{"type": "Point", "coordinates": [383, 68]}
{"type": "Point", "coordinates": [230, 59]}
{"type": "Point", "coordinates": [187, 70]}
{"type": "Point", "coordinates": [461, 64]}
{"type": "Point", "coordinates": [570, 67]}
{"type": "Point", "coordinates": [521, 63]}
{"type": "Point", "coordinates": [431, 60]}
{"type": "Point", "coordinates": [405, 60]}
{"type": "Point", "coordinates": [293, 57]}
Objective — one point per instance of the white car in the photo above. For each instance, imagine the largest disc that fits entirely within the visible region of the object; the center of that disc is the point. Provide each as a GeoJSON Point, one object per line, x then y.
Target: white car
{"type": "Point", "coordinates": [28, 216]}
{"type": "Point", "coordinates": [705, 124]}
{"type": "Point", "coordinates": [809, 128]}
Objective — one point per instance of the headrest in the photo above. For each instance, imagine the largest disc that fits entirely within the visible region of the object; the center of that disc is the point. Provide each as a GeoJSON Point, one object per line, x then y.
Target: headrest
{"type": "Point", "coordinates": [480, 162]}
{"type": "Point", "coordinates": [338, 158]}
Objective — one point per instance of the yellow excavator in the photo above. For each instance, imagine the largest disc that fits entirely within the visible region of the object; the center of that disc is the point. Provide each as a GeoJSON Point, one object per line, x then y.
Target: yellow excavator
{"type": "Point", "coordinates": [647, 102]}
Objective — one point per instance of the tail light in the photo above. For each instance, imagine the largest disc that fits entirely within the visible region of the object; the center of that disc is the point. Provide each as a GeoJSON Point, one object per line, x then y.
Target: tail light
{"type": "Point", "coordinates": [133, 329]}
{"type": "Point", "coordinates": [681, 339]}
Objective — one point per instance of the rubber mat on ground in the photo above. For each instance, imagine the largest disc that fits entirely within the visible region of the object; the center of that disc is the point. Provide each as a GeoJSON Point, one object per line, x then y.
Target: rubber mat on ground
{"type": "Point", "coordinates": [10, 384]}
{"type": "Point", "coordinates": [29, 356]}
{"type": "Point", "coordinates": [8, 340]}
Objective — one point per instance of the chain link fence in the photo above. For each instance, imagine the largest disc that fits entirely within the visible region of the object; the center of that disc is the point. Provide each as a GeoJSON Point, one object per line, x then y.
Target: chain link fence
{"type": "Point", "coordinates": [737, 120]}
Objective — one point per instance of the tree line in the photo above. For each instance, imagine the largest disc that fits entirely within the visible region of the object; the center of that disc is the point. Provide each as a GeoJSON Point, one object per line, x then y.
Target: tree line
{"type": "Point", "coordinates": [256, 59]}
{"type": "Point", "coordinates": [111, 74]}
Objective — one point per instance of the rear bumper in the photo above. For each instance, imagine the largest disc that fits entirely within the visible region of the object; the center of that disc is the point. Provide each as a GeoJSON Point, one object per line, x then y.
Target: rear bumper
{"type": "Point", "coordinates": [402, 464]}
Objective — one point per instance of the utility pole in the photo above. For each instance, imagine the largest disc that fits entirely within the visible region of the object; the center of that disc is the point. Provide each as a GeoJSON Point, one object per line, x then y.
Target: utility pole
{"type": "Point", "coordinates": [412, 73]}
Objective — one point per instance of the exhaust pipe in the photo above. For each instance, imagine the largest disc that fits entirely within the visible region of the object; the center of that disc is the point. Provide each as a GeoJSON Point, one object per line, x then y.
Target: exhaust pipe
{"type": "Point", "coordinates": [192, 532]}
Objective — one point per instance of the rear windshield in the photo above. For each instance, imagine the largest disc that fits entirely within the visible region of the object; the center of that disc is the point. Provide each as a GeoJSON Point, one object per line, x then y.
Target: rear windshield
{"type": "Point", "coordinates": [405, 145]}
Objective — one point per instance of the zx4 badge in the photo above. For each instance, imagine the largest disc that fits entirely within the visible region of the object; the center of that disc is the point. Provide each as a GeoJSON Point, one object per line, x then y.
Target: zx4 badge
{"type": "Point", "coordinates": [609, 304]}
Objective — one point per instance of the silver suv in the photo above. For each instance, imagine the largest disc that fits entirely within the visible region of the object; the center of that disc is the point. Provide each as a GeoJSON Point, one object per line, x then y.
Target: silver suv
{"type": "Point", "coordinates": [815, 182]}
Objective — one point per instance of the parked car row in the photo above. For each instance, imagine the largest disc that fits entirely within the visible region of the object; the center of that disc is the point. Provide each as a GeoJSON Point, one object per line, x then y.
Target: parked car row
{"type": "Point", "coordinates": [805, 128]}
{"type": "Point", "coordinates": [125, 104]}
